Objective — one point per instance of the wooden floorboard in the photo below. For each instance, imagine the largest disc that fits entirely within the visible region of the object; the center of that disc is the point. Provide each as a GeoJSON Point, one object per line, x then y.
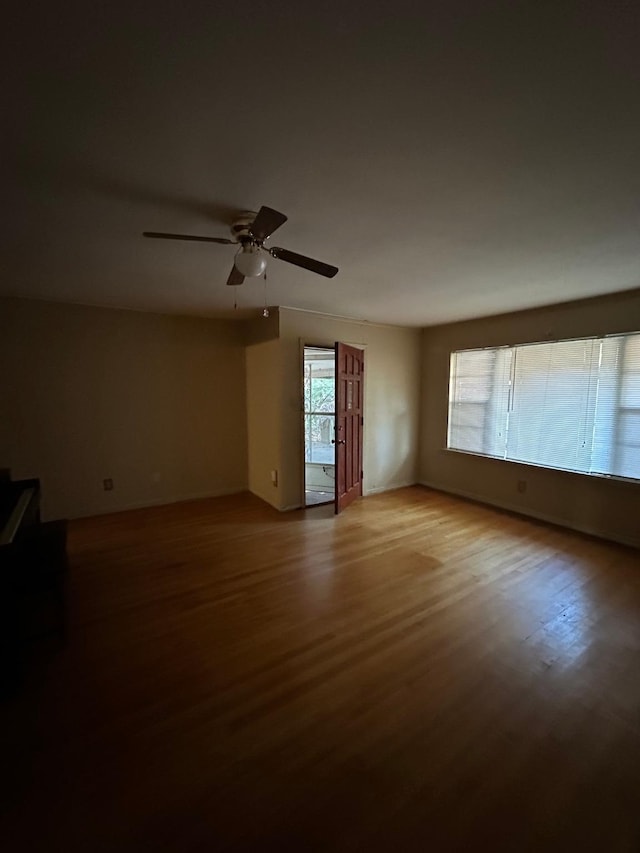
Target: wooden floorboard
{"type": "Point", "coordinates": [419, 673]}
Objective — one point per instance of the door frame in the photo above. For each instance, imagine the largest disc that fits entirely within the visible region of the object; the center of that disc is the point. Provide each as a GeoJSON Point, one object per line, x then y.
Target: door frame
{"type": "Point", "coordinates": [303, 473]}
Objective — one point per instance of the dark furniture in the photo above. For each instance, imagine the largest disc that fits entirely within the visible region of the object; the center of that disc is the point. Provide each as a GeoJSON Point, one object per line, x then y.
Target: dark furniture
{"type": "Point", "coordinates": [33, 569]}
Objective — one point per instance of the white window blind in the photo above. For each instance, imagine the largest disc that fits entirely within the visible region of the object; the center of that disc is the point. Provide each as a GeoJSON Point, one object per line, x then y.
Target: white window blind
{"type": "Point", "coordinates": [573, 405]}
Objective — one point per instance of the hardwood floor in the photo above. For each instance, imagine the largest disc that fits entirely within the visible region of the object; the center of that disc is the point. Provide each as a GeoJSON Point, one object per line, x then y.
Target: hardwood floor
{"type": "Point", "coordinates": [419, 673]}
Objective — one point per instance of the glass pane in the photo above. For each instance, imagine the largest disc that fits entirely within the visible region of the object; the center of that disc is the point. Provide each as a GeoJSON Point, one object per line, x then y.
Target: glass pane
{"type": "Point", "coordinates": [551, 421]}
{"type": "Point", "coordinates": [318, 437]}
{"type": "Point", "coordinates": [468, 432]}
{"type": "Point", "coordinates": [629, 427]}
{"type": "Point", "coordinates": [473, 375]}
{"type": "Point", "coordinates": [628, 462]}
{"type": "Point", "coordinates": [322, 397]}
{"type": "Point", "coordinates": [630, 390]}
{"type": "Point", "coordinates": [479, 396]}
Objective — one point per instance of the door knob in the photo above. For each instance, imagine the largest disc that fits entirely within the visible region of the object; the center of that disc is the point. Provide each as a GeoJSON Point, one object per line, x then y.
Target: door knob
{"type": "Point", "coordinates": [339, 441]}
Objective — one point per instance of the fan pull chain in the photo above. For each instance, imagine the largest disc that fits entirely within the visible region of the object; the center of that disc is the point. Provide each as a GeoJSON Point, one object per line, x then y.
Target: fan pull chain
{"type": "Point", "coordinates": [265, 310]}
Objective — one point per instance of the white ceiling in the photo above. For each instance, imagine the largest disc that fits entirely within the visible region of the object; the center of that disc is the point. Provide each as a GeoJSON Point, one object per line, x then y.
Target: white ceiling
{"type": "Point", "coordinates": [453, 159]}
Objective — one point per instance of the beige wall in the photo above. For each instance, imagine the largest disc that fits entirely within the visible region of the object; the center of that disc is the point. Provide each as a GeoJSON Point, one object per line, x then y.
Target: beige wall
{"type": "Point", "coordinates": [166, 407]}
{"type": "Point", "coordinates": [264, 418]}
{"type": "Point", "coordinates": [606, 507]}
{"type": "Point", "coordinates": [391, 398]}
{"type": "Point", "coordinates": [155, 402]}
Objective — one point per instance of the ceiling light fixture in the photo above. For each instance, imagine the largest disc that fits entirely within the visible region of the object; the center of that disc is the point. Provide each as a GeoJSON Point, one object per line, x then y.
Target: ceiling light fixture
{"type": "Point", "coordinates": [250, 260]}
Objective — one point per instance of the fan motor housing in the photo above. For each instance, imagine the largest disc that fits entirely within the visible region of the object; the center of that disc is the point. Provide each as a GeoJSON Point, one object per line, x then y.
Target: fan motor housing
{"type": "Point", "coordinates": [240, 228]}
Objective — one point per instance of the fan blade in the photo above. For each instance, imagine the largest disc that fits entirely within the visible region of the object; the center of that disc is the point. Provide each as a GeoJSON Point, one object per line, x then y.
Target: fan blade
{"type": "Point", "coordinates": [302, 261]}
{"type": "Point", "coordinates": [164, 236]}
{"type": "Point", "coordinates": [235, 276]}
{"type": "Point", "coordinates": [266, 223]}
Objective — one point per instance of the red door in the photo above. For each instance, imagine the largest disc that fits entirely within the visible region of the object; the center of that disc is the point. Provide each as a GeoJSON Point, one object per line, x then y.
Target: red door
{"type": "Point", "coordinates": [349, 423]}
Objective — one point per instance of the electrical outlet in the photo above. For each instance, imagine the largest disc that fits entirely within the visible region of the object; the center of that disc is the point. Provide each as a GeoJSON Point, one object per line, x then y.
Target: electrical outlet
{"type": "Point", "coordinates": [522, 486]}
{"type": "Point", "coordinates": [108, 484]}
{"type": "Point", "coordinates": [274, 478]}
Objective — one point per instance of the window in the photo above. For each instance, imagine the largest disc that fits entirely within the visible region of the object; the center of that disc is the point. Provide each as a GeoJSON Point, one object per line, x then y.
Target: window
{"type": "Point", "coordinates": [573, 405]}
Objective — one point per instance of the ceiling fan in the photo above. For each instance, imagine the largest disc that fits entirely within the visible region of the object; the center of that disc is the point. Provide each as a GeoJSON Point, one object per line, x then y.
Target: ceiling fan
{"type": "Point", "coordinates": [250, 230]}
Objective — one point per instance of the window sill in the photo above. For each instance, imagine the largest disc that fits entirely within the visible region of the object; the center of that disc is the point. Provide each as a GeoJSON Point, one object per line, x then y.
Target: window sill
{"type": "Point", "coordinates": [614, 477]}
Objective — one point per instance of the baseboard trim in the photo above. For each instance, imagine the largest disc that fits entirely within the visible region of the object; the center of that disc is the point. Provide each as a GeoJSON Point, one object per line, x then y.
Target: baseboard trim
{"type": "Point", "coordinates": [530, 513]}
{"type": "Point", "coordinates": [379, 489]}
{"type": "Point", "coordinates": [165, 501]}
{"type": "Point", "coordinates": [178, 499]}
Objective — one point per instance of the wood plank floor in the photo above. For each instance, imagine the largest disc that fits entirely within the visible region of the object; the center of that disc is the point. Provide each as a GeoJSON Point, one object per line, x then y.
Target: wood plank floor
{"type": "Point", "coordinates": [420, 673]}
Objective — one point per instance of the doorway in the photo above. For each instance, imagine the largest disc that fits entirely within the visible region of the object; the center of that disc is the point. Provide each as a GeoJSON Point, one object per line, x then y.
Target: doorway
{"type": "Point", "coordinates": [319, 389]}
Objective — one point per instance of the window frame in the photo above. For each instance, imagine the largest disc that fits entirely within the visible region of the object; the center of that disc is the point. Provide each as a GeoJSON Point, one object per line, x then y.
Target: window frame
{"type": "Point", "coordinates": [514, 349]}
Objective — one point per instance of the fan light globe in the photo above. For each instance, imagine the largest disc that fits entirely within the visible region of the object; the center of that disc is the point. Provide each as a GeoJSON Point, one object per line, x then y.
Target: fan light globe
{"type": "Point", "coordinates": [251, 261]}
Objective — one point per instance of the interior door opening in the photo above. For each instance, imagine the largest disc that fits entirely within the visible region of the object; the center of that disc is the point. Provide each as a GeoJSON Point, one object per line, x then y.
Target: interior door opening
{"type": "Point", "coordinates": [319, 383]}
